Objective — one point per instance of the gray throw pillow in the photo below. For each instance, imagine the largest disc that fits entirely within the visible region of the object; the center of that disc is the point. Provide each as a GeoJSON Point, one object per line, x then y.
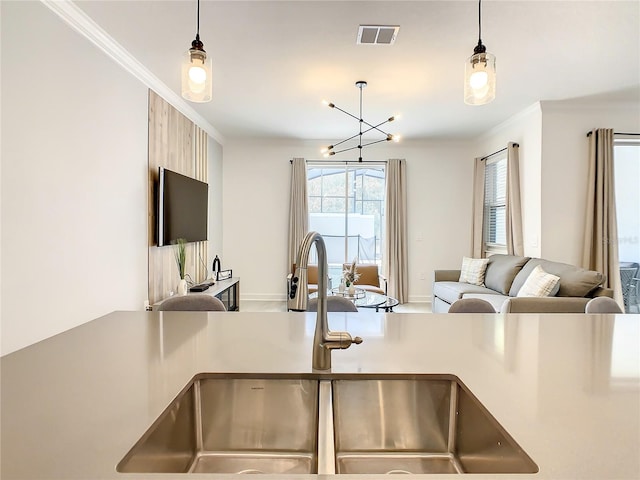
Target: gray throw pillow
{"type": "Point", "coordinates": [501, 271]}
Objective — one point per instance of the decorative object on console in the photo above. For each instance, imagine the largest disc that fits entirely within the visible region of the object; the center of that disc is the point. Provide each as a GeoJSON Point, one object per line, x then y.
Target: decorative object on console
{"type": "Point", "coordinates": [181, 259]}
{"type": "Point", "coordinates": [216, 265]}
{"type": "Point", "coordinates": [223, 274]}
{"type": "Point", "coordinates": [480, 72]}
{"type": "Point", "coordinates": [196, 70]}
{"type": "Point", "coordinates": [328, 151]}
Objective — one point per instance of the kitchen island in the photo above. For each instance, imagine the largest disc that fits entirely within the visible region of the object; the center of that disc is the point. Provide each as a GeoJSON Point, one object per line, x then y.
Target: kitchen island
{"type": "Point", "coordinates": [565, 387]}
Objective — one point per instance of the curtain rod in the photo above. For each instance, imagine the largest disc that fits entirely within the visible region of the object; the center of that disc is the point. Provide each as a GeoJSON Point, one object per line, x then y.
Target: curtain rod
{"type": "Point", "coordinates": [616, 133]}
{"type": "Point", "coordinates": [499, 151]}
{"type": "Point", "coordinates": [343, 162]}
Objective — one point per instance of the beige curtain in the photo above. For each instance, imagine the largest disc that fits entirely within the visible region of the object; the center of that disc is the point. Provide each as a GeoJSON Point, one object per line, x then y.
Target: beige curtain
{"type": "Point", "coordinates": [396, 249]}
{"type": "Point", "coordinates": [298, 209]}
{"type": "Point", "coordinates": [601, 231]}
{"type": "Point", "coordinates": [515, 245]}
{"type": "Point", "coordinates": [477, 247]}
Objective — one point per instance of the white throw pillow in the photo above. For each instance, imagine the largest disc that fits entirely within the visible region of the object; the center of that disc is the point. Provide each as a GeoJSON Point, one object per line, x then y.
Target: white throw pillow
{"type": "Point", "coordinates": [539, 284]}
{"type": "Point", "coordinates": [473, 270]}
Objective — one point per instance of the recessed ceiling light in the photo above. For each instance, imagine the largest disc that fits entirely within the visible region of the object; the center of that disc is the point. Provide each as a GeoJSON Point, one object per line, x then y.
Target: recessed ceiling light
{"type": "Point", "coordinates": [377, 34]}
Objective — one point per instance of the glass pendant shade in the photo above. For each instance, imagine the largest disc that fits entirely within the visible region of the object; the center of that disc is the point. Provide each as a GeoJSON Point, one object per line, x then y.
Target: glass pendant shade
{"type": "Point", "coordinates": [196, 76]}
{"type": "Point", "coordinates": [480, 79]}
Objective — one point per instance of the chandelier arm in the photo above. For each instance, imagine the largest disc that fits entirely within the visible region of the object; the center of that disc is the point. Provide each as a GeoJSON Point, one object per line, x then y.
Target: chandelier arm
{"type": "Point", "coordinates": [347, 149]}
{"type": "Point", "coordinates": [371, 143]}
{"type": "Point", "coordinates": [346, 139]}
{"type": "Point", "coordinates": [375, 127]}
{"type": "Point", "coordinates": [361, 146]}
{"type": "Point", "coordinates": [345, 112]}
{"type": "Point", "coordinates": [366, 131]}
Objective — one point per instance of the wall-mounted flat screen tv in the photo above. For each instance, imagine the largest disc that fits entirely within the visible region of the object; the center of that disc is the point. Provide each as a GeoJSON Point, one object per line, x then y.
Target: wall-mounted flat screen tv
{"type": "Point", "coordinates": [182, 208]}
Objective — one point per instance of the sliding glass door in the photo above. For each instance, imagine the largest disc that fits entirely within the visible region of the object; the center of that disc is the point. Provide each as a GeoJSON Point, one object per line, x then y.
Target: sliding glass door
{"type": "Point", "coordinates": [627, 188]}
{"type": "Point", "coordinates": [346, 206]}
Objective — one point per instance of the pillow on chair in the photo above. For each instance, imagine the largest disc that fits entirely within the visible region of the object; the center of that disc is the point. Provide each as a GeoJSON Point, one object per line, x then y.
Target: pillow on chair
{"type": "Point", "coordinates": [471, 305]}
{"type": "Point", "coordinates": [602, 305]}
{"type": "Point", "coordinates": [334, 304]}
{"type": "Point", "coordinates": [192, 303]}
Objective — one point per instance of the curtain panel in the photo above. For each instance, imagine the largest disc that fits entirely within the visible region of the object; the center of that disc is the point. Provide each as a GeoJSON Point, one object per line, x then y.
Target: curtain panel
{"type": "Point", "coordinates": [600, 251]}
{"type": "Point", "coordinates": [298, 209]}
{"type": "Point", "coordinates": [396, 248]}
{"type": "Point", "coordinates": [515, 244]}
{"type": "Point", "coordinates": [477, 237]}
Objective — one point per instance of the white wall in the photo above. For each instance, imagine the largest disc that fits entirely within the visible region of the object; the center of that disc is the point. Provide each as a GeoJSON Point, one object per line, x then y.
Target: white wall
{"type": "Point", "coordinates": [74, 188]}
{"type": "Point", "coordinates": [215, 201]}
{"type": "Point", "coordinates": [74, 180]}
{"type": "Point", "coordinates": [256, 208]}
{"type": "Point", "coordinates": [525, 129]}
{"type": "Point", "coordinates": [565, 169]}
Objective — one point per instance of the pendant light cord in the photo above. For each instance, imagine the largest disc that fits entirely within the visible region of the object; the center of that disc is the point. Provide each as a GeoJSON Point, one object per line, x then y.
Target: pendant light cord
{"type": "Point", "coordinates": [198, 22]}
{"type": "Point", "coordinates": [479, 20]}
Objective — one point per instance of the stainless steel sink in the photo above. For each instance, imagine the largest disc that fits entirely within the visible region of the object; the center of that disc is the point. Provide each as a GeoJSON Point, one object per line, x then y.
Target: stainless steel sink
{"type": "Point", "coordinates": [326, 424]}
{"type": "Point", "coordinates": [418, 424]}
{"type": "Point", "coordinates": [233, 424]}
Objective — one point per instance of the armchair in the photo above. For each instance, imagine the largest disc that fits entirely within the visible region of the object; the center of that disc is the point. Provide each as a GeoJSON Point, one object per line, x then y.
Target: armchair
{"type": "Point", "coordinates": [370, 278]}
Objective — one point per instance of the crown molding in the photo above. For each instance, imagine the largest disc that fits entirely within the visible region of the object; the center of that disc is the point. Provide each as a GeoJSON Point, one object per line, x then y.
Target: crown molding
{"type": "Point", "coordinates": [514, 119]}
{"type": "Point", "coordinates": [83, 24]}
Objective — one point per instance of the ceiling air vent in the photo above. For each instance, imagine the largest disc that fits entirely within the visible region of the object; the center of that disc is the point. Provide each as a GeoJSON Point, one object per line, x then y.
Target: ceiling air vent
{"type": "Point", "coordinates": [377, 34]}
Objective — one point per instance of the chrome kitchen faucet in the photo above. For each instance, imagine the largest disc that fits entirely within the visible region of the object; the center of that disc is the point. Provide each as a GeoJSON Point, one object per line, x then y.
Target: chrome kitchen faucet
{"type": "Point", "coordinates": [324, 340]}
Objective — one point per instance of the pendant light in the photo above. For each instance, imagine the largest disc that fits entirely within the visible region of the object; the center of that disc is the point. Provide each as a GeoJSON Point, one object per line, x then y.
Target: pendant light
{"type": "Point", "coordinates": [196, 71]}
{"type": "Point", "coordinates": [480, 72]}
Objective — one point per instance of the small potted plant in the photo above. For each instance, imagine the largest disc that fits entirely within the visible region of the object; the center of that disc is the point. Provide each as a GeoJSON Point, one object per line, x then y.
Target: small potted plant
{"type": "Point", "coordinates": [181, 260]}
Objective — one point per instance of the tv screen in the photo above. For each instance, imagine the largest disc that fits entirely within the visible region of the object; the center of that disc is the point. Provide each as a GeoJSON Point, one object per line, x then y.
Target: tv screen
{"type": "Point", "coordinates": [182, 208]}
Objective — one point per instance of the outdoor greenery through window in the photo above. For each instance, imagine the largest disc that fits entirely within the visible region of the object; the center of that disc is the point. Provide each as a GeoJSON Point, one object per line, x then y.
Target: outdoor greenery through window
{"type": "Point", "coordinates": [346, 206]}
{"type": "Point", "coordinates": [495, 205]}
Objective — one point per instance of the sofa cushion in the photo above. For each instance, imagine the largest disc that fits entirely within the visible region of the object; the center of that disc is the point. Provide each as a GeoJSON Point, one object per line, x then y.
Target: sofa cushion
{"type": "Point", "coordinates": [501, 270]}
{"type": "Point", "coordinates": [473, 270]}
{"type": "Point", "coordinates": [452, 291]}
{"type": "Point", "coordinates": [540, 284]}
{"type": "Point", "coordinates": [574, 281]}
{"type": "Point", "coordinates": [496, 301]}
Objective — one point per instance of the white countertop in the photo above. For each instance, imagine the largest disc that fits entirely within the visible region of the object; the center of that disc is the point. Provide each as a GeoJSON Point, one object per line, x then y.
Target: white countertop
{"type": "Point", "coordinates": [565, 387]}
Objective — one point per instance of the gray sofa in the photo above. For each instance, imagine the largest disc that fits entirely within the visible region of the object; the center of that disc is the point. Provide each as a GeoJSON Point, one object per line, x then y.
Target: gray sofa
{"type": "Point", "coordinates": [505, 275]}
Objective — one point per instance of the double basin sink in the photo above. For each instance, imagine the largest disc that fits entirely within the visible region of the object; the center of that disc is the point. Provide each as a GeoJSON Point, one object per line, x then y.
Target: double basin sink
{"type": "Point", "coordinates": [326, 424]}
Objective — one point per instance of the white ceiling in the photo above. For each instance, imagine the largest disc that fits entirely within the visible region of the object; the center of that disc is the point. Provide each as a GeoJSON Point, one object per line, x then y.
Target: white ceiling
{"type": "Point", "coordinates": [275, 61]}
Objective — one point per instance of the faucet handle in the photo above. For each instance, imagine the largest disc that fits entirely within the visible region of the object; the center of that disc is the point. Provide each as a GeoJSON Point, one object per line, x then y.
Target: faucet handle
{"type": "Point", "coordinates": [357, 340]}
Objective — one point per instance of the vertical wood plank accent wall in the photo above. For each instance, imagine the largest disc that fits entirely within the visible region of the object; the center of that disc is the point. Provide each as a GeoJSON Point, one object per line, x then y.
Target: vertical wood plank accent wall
{"type": "Point", "coordinates": [176, 143]}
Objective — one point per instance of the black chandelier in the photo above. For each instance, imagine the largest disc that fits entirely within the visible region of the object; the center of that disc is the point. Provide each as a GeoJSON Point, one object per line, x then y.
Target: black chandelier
{"type": "Point", "coordinates": [368, 127]}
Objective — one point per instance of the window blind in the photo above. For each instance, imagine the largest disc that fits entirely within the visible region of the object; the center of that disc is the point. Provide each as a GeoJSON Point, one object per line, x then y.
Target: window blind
{"type": "Point", "coordinates": [495, 202]}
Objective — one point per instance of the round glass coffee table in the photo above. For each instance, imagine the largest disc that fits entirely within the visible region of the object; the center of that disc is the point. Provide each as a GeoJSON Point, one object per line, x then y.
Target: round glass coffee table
{"type": "Point", "coordinates": [377, 301]}
{"type": "Point", "coordinates": [365, 299]}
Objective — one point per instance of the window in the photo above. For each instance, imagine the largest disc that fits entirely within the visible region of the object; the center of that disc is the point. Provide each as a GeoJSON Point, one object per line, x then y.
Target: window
{"type": "Point", "coordinates": [626, 152]}
{"type": "Point", "coordinates": [346, 206]}
{"type": "Point", "coordinates": [495, 205]}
